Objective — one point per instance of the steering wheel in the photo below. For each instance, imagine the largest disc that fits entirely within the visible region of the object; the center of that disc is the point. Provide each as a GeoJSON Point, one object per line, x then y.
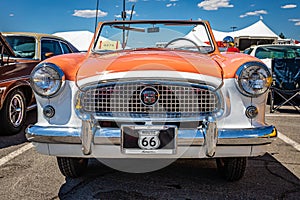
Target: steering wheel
{"type": "Point", "coordinates": [186, 39]}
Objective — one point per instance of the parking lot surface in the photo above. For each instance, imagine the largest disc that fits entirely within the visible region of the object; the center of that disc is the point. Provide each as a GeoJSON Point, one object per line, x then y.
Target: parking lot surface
{"type": "Point", "coordinates": [25, 174]}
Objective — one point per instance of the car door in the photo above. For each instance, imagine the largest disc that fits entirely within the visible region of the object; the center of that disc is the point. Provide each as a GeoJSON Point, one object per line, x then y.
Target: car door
{"type": "Point", "coordinates": [50, 47]}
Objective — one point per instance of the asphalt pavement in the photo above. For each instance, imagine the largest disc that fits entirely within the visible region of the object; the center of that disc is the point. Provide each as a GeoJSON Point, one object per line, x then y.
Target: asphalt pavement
{"type": "Point", "coordinates": [25, 174]}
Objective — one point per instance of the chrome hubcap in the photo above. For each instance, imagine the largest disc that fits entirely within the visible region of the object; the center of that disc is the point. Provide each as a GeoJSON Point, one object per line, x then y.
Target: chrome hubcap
{"type": "Point", "coordinates": [16, 110]}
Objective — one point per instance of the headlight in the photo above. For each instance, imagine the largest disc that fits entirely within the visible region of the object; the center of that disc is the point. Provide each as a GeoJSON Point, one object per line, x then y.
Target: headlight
{"type": "Point", "coordinates": [46, 79]}
{"type": "Point", "coordinates": [253, 79]}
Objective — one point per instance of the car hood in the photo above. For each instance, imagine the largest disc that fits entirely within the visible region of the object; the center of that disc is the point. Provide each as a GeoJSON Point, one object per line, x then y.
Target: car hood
{"type": "Point", "coordinates": [149, 64]}
{"type": "Point", "coordinates": [5, 48]}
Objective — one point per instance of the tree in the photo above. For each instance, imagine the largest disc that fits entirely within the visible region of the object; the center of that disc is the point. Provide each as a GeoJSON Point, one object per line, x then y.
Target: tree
{"type": "Point", "coordinates": [281, 36]}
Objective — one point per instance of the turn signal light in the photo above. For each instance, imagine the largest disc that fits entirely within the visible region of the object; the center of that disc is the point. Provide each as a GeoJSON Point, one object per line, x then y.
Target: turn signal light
{"type": "Point", "coordinates": [49, 111]}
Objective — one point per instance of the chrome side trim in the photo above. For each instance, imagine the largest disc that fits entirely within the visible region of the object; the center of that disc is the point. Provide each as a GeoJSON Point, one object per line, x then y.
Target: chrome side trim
{"type": "Point", "coordinates": [15, 79]}
{"type": "Point", "coordinates": [29, 108]}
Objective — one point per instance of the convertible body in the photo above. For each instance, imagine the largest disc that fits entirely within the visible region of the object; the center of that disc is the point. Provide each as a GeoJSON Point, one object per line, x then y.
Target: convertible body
{"type": "Point", "coordinates": [176, 98]}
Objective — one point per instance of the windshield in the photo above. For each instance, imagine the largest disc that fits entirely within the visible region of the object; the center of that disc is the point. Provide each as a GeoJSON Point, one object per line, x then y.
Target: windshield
{"type": "Point", "coordinates": [23, 46]}
{"type": "Point", "coordinates": [277, 52]}
{"type": "Point", "coordinates": [188, 36]}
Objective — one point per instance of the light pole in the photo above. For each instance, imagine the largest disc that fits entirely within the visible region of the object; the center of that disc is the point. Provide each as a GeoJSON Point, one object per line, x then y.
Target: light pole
{"type": "Point", "coordinates": [96, 20]}
{"type": "Point", "coordinates": [123, 14]}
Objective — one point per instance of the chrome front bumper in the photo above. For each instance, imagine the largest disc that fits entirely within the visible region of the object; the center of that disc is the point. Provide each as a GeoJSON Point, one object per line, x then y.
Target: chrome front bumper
{"type": "Point", "coordinates": [209, 137]}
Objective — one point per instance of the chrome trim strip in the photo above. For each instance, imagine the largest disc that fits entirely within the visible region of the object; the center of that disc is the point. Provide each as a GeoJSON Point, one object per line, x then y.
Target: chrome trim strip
{"type": "Point", "coordinates": [151, 118]}
{"type": "Point", "coordinates": [29, 108]}
{"type": "Point", "coordinates": [15, 79]}
{"type": "Point", "coordinates": [72, 135]}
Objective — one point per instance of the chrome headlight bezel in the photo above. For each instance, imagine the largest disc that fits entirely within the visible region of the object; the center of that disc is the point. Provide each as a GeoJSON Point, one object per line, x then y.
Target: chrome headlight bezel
{"type": "Point", "coordinates": [253, 79]}
{"type": "Point", "coordinates": [47, 79]}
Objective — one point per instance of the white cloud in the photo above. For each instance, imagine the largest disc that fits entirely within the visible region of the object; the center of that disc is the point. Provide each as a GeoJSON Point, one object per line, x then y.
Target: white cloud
{"type": "Point", "coordinates": [170, 4]}
{"type": "Point", "coordinates": [11, 14]}
{"type": "Point", "coordinates": [297, 21]}
{"type": "Point", "coordinates": [294, 20]}
{"type": "Point", "coordinates": [128, 13]}
{"type": "Point", "coordinates": [288, 6]}
{"type": "Point", "coordinates": [214, 4]}
{"type": "Point", "coordinates": [132, 0]}
{"type": "Point", "coordinates": [254, 13]}
{"type": "Point", "coordinates": [173, 0]}
{"type": "Point", "coordinates": [89, 13]}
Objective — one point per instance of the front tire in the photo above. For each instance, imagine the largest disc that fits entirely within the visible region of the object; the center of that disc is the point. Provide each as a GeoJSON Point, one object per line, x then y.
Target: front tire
{"type": "Point", "coordinates": [13, 113]}
{"type": "Point", "coordinates": [72, 167]}
{"type": "Point", "coordinates": [232, 169]}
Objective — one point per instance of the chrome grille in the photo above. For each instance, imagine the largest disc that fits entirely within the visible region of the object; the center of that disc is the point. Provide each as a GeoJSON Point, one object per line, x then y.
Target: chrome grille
{"type": "Point", "coordinates": [174, 98]}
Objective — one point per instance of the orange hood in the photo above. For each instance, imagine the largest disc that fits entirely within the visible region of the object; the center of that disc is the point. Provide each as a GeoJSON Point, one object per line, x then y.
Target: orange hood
{"type": "Point", "coordinates": [147, 60]}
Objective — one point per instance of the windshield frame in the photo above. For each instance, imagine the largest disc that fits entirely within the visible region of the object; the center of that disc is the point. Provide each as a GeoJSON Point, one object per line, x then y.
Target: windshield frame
{"type": "Point", "coordinates": [205, 24]}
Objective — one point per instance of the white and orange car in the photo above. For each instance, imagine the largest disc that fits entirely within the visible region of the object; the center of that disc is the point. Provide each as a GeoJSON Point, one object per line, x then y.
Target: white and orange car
{"type": "Point", "coordinates": [147, 93]}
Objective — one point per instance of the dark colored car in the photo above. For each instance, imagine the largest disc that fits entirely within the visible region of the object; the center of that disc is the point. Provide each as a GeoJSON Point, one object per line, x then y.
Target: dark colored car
{"type": "Point", "coordinates": [20, 52]}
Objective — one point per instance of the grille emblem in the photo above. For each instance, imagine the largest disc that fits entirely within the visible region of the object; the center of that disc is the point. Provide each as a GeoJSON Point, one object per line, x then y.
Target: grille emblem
{"type": "Point", "coordinates": [149, 96]}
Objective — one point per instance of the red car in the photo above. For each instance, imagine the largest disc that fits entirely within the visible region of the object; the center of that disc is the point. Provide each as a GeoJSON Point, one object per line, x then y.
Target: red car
{"type": "Point", "coordinates": [20, 52]}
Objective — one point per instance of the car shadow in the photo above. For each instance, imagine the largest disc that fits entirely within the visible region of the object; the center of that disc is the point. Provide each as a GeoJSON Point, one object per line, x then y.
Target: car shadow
{"type": "Point", "coordinates": [19, 138]}
{"type": "Point", "coordinates": [265, 178]}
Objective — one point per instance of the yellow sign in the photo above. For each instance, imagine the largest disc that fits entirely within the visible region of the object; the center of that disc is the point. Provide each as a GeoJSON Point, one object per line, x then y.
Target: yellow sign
{"type": "Point", "coordinates": [109, 45]}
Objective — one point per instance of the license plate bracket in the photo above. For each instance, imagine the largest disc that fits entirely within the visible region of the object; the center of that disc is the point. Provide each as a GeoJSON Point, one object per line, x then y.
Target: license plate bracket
{"type": "Point", "coordinates": [139, 139]}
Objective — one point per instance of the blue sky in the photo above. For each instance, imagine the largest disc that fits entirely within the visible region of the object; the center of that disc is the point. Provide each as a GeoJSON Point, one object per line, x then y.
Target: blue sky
{"type": "Point", "coordinates": [282, 16]}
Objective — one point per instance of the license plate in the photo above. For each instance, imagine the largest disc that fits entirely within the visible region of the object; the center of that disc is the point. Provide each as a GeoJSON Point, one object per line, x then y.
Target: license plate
{"type": "Point", "coordinates": [149, 139]}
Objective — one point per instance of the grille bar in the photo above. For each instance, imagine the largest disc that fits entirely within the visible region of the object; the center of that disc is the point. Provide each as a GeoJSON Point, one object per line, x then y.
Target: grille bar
{"type": "Point", "coordinates": [173, 98]}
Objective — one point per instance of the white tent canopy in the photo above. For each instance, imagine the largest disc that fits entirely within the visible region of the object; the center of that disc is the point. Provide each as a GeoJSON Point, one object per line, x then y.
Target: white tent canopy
{"type": "Point", "coordinates": [258, 29]}
{"type": "Point", "coordinates": [80, 39]}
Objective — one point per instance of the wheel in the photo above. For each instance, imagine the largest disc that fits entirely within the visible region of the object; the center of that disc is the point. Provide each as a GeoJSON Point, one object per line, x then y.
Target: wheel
{"type": "Point", "coordinates": [13, 113]}
{"type": "Point", "coordinates": [232, 169]}
{"type": "Point", "coordinates": [72, 167]}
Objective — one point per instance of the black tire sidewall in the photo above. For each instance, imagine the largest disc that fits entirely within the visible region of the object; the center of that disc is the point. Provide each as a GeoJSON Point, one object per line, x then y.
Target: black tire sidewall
{"type": "Point", "coordinates": [232, 169]}
{"type": "Point", "coordinates": [72, 167]}
{"type": "Point", "coordinates": [7, 128]}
